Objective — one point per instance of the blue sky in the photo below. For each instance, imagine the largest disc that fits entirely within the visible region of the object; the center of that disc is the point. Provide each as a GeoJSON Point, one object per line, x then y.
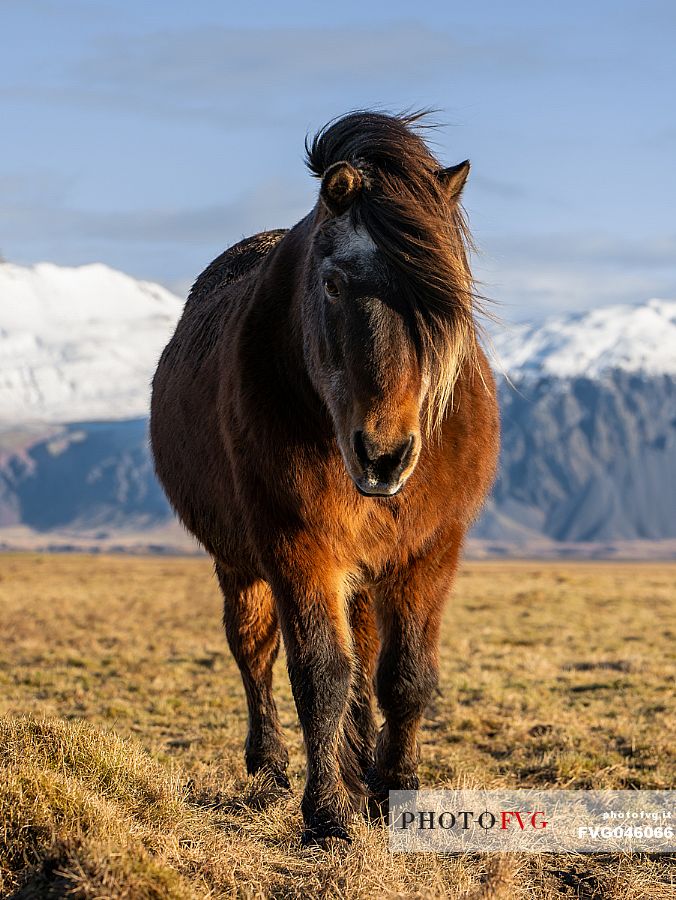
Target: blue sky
{"type": "Point", "coordinates": [151, 136]}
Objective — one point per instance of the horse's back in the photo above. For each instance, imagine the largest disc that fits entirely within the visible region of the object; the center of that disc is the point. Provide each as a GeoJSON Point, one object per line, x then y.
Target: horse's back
{"type": "Point", "coordinates": [235, 262]}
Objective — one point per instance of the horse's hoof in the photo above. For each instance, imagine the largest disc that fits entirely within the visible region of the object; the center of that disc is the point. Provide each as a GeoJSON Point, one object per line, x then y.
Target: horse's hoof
{"type": "Point", "coordinates": [276, 783]}
{"type": "Point", "coordinates": [270, 772]}
{"type": "Point", "coordinates": [280, 780]}
{"type": "Point", "coordinates": [376, 808]}
{"type": "Point", "coordinates": [377, 805]}
{"type": "Point", "coordinates": [326, 836]}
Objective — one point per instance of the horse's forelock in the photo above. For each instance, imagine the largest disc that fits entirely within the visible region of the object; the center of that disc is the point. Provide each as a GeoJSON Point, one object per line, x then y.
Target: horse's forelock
{"type": "Point", "coordinates": [424, 238]}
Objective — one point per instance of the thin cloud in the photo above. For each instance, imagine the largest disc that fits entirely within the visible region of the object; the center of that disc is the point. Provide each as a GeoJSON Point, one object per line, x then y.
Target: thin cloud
{"type": "Point", "coordinates": [206, 61]}
{"type": "Point", "coordinates": [531, 292]}
{"type": "Point", "coordinates": [232, 76]}
{"type": "Point", "coordinates": [584, 248]}
{"type": "Point", "coordinates": [273, 204]}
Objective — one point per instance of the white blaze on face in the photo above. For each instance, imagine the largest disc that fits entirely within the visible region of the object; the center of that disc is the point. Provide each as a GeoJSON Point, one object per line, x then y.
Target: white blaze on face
{"type": "Point", "coordinates": [354, 245]}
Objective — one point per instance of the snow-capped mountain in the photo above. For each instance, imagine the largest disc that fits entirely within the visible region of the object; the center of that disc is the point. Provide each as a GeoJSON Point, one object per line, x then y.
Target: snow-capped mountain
{"type": "Point", "coordinates": [639, 339]}
{"type": "Point", "coordinates": [588, 428]}
{"type": "Point", "coordinates": [588, 414]}
{"type": "Point", "coordinates": [79, 344]}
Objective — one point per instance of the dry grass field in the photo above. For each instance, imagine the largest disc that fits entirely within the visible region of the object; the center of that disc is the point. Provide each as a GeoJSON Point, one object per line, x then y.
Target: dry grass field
{"type": "Point", "coordinates": [123, 720]}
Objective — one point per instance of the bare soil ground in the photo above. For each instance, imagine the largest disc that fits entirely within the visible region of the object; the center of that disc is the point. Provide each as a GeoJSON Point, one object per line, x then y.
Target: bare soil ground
{"type": "Point", "coordinates": [123, 719]}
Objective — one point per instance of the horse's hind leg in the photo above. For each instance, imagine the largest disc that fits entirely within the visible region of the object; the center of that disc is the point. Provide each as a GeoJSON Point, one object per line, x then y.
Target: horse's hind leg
{"type": "Point", "coordinates": [252, 629]}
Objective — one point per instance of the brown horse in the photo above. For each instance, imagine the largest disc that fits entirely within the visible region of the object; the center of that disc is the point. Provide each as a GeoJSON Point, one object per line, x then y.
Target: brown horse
{"type": "Point", "coordinates": [325, 423]}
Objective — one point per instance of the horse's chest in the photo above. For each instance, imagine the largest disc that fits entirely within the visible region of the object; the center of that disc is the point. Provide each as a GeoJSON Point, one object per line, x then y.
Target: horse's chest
{"type": "Point", "coordinates": [373, 533]}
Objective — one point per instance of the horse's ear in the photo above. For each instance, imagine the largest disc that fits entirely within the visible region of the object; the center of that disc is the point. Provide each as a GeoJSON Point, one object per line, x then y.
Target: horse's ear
{"type": "Point", "coordinates": [453, 179]}
{"type": "Point", "coordinates": [340, 185]}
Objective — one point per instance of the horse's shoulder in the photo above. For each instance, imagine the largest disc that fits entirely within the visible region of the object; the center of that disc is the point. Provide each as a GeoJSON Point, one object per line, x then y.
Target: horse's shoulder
{"type": "Point", "coordinates": [236, 262]}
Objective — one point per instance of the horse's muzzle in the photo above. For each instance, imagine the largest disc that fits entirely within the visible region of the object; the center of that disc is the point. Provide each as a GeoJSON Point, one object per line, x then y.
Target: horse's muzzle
{"type": "Point", "coordinates": [379, 489]}
{"type": "Point", "coordinates": [381, 474]}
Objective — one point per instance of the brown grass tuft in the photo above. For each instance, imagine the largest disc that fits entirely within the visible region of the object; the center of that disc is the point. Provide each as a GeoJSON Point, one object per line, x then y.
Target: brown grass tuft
{"type": "Point", "coordinates": [123, 719]}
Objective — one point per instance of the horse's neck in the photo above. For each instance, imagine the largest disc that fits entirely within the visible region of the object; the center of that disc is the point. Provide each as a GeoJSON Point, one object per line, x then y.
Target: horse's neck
{"type": "Point", "coordinates": [277, 319]}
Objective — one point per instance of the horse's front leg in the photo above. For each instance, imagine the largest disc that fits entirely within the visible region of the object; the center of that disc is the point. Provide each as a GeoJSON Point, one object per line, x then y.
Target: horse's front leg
{"type": "Point", "coordinates": [361, 724]}
{"type": "Point", "coordinates": [313, 617]}
{"type": "Point", "coordinates": [410, 605]}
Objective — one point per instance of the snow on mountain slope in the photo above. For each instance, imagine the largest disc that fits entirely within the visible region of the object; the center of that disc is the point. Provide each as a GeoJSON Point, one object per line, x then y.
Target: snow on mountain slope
{"type": "Point", "coordinates": [79, 344]}
{"type": "Point", "coordinates": [638, 339]}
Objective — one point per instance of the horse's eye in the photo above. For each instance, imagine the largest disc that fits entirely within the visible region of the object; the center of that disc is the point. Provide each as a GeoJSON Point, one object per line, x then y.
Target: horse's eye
{"type": "Point", "coordinates": [331, 289]}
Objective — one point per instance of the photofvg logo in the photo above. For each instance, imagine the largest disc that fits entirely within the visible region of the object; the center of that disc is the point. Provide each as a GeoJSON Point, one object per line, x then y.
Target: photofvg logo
{"type": "Point", "coordinates": [521, 821]}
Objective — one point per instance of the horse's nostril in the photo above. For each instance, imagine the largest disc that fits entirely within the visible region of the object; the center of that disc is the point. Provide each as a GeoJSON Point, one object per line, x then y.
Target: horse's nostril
{"type": "Point", "coordinates": [360, 448]}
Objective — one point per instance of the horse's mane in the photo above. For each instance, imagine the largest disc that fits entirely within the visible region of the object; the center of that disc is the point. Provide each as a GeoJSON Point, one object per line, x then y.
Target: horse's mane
{"type": "Point", "coordinates": [405, 210]}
